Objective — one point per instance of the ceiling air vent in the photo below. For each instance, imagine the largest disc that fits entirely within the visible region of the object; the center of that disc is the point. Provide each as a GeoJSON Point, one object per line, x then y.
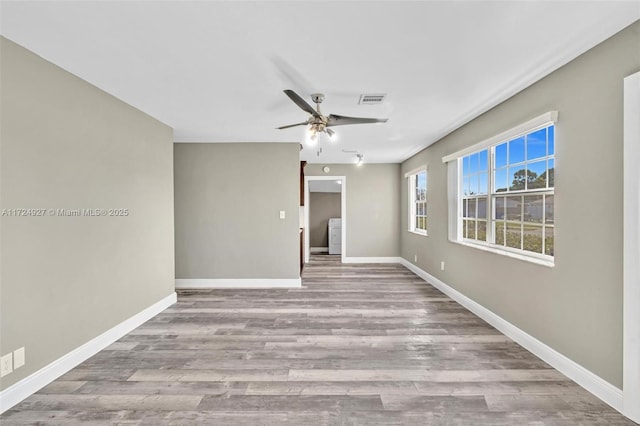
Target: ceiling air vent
{"type": "Point", "coordinates": [372, 99]}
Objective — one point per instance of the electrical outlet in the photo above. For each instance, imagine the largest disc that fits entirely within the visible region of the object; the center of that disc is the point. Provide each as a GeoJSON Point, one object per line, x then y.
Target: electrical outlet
{"type": "Point", "coordinates": [442, 265]}
{"type": "Point", "coordinates": [282, 214]}
{"type": "Point", "coordinates": [6, 364]}
{"type": "Point", "coordinates": [18, 358]}
{"type": "Point", "coordinates": [415, 257]}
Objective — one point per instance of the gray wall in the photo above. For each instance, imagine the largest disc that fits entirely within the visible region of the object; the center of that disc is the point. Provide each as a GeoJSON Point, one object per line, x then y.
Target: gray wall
{"type": "Point", "coordinates": [373, 195]}
{"type": "Point", "coordinates": [227, 203]}
{"type": "Point", "coordinates": [67, 144]}
{"type": "Point", "coordinates": [575, 307]}
{"type": "Point", "coordinates": [322, 207]}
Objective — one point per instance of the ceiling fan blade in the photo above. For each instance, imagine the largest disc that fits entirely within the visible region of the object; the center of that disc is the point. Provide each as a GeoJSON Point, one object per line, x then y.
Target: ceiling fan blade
{"type": "Point", "coordinates": [341, 120]}
{"type": "Point", "coordinates": [301, 103]}
{"type": "Point", "coordinates": [292, 125]}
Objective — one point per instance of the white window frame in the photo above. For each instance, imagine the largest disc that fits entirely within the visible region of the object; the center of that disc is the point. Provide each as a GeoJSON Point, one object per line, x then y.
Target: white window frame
{"type": "Point", "coordinates": [456, 194]}
{"type": "Point", "coordinates": [411, 178]}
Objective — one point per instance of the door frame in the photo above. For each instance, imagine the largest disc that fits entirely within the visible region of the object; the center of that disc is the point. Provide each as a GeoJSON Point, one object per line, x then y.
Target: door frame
{"type": "Point", "coordinates": [343, 213]}
{"type": "Point", "coordinates": [631, 249]}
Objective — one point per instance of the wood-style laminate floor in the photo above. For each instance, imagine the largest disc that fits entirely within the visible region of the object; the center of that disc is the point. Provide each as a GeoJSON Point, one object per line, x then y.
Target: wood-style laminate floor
{"type": "Point", "coordinates": [358, 345]}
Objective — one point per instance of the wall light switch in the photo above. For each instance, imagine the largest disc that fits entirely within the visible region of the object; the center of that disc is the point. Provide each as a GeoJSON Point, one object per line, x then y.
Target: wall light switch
{"type": "Point", "coordinates": [282, 214]}
{"type": "Point", "coordinates": [6, 364]}
{"type": "Point", "coordinates": [18, 358]}
{"type": "Point", "coordinates": [442, 265]}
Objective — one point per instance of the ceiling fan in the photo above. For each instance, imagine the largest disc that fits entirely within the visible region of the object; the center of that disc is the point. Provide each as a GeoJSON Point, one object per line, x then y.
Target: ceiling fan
{"type": "Point", "coordinates": [318, 122]}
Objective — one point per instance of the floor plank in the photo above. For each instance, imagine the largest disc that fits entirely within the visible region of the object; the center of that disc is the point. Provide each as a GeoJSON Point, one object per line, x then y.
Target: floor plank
{"type": "Point", "coordinates": [357, 345]}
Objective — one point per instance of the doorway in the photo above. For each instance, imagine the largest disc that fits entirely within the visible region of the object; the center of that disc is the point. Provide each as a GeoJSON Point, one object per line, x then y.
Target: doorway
{"type": "Point", "coordinates": [325, 219]}
{"type": "Point", "coordinates": [631, 256]}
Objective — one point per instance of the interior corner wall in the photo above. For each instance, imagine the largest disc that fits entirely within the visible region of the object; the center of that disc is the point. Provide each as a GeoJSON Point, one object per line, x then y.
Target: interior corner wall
{"type": "Point", "coordinates": [65, 144]}
{"type": "Point", "coordinates": [322, 207]}
{"type": "Point", "coordinates": [372, 199]}
{"type": "Point", "coordinates": [227, 202]}
{"type": "Point", "coordinates": [576, 306]}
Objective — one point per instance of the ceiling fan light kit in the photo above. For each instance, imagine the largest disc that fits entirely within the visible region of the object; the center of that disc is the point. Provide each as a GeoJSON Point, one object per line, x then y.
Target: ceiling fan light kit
{"type": "Point", "coordinates": [320, 123]}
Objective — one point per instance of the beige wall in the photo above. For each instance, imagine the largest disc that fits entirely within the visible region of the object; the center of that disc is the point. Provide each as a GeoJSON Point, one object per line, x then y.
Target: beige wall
{"type": "Point", "coordinates": [322, 207]}
{"type": "Point", "coordinates": [373, 195]}
{"type": "Point", "coordinates": [575, 307]}
{"type": "Point", "coordinates": [66, 144]}
{"type": "Point", "coordinates": [227, 203]}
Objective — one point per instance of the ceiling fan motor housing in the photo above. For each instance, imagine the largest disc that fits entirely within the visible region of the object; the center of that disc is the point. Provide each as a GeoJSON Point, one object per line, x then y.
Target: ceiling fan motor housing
{"type": "Point", "coordinates": [317, 97]}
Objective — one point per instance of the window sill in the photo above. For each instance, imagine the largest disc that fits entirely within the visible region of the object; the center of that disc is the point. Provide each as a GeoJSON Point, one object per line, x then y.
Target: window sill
{"type": "Point", "coordinates": [423, 233]}
{"type": "Point", "coordinates": [524, 257]}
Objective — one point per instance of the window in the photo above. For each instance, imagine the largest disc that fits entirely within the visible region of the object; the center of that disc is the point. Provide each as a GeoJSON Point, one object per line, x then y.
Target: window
{"type": "Point", "coordinates": [418, 201]}
{"type": "Point", "coordinates": [505, 191]}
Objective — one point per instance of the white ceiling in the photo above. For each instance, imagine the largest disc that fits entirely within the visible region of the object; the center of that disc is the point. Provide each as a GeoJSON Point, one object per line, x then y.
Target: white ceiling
{"type": "Point", "coordinates": [215, 70]}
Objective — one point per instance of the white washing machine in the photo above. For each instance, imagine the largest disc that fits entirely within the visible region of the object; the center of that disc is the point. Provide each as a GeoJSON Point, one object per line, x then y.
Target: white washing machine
{"type": "Point", "coordinates": [335, 236]}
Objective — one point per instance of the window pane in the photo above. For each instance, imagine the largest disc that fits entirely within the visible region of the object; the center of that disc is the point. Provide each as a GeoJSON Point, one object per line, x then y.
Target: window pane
{"type": "Point", "coordinates": [422, 180]}
{"type": "Point", "coordinates": [548, 209]}
{"type": "Point", "coordinates": [464, 229]}
{"type": "Point", "coordinates": [483, 179]}
{"type": "Point", "coordinates": [471, 229]}
{"type": "Point", "coordinates": [548, 240]}
{"type": "Point", "coordinates": [473, 163]}
{"type": "Point", "coordinates": [471, 208]}
{"type": "Point", "coordinates": [465, 186]}
{"type": "Point", "coordinates": [533, 208]}
{"type": "Point", "coordinates": [551, 140]}
{"type": "Point", "coordinates": [536, 175]}
{"type": "Point", "coordinates": [501, 155]}
{"type": "Point", "coordinates": [473, 184]}
{"type": "Point", "coordinates": [550, 173]}
{"type": "Point", "coordinates": [532, 237]}
{"type": "Point", "coordinates": [464, 208]}
{"type": "Point", "coordinates": [514, 235]}
{"type": "Point", "coordinates": [500, 180]}
{"type": "Point", "coordinates": [517, 178]}
{"type": "Point", "coordinates": [537, 144]}
{"type": "Point", "coordinates": [421, 186]}
{"type": "Point", "coordinates": [482, 231]}
{"type": "Point", "coordinates": [516, 150]}
{"type": "Point", "coordinates": [499, 210]}
{"type": "Point", "coordinates": [514, 208]}
{"type": "Point", "coordinates": [484, 160]}
{"type": "Point", "coordinates": [465, 165]}
{"type": "Point", "coordinates": [482, 208]}
{"type": "Point", "coordinates": [500, 233]}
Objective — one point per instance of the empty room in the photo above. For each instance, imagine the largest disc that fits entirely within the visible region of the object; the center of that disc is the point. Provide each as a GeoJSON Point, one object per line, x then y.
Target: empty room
{"type": "Point", "coordinates": [320, 212]}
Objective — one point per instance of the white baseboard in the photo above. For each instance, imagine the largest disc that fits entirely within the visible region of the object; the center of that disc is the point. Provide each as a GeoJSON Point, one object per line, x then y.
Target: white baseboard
{"type": "Point", "coordinates": [585, 378]}
{"type": "Point", "coordinates": [239, 283]}
{"type": "Point", "coordinates": [36, 381]}
{"type": "Point", "coordinates": [371, 260]}
{"type": "Point", "coordinates": [318, 249]}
